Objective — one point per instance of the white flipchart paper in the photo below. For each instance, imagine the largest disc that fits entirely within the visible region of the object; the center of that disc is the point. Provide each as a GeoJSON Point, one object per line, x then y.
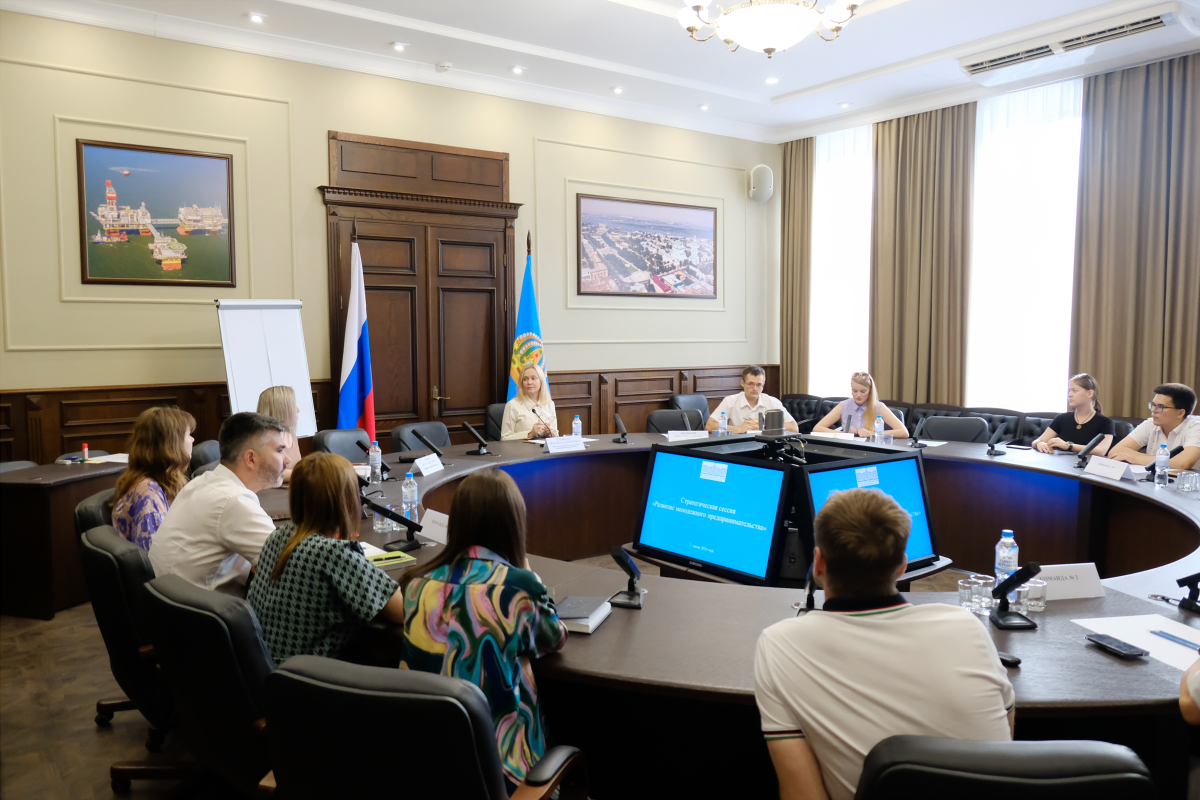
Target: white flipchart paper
{"type": "Point", "coordinates": [1136, 631]}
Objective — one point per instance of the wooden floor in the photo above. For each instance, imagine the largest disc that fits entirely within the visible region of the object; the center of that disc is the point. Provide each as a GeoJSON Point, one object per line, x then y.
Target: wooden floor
{"type": "Point", "coordinates": [51, 675]}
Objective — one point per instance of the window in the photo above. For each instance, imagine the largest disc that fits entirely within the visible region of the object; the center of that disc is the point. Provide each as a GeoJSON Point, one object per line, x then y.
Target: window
{"type": "Point", "coordinates": [839, 293]}
{"type": "Point", "coordinates": [1023, 248]}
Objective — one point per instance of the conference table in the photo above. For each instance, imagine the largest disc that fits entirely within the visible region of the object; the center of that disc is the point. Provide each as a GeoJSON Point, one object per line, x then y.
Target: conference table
{"type": "Point", "coordinates": [662, 699]}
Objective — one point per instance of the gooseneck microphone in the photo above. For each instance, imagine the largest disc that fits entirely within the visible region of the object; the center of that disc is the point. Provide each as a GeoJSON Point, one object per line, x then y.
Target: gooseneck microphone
{"type": "Point", "coordinates": [405, 545]}
{"type": "Point", "coordinates": [1152, 468]}
{"type": "Point", "coordinates": [1010, 620]}
{"type": "Point", "coordinates": [992, 451]}
{"type": "Point", "coordinates": [482, 449]}
{"type": "Point", "coordinates": [624, 437]}
{"type": "Point", "coordinates": [916, 434]}
{"type": "Point", "coordinates": [433, 448]}
{"type": "Point", "coordinates": [1087, 451]}
{"type": "Point", "coordinates": [387, 473]}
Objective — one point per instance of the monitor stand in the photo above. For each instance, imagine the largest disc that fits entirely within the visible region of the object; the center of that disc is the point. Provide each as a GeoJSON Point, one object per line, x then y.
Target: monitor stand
{"type": "Point", "coordinates": [904, 582]}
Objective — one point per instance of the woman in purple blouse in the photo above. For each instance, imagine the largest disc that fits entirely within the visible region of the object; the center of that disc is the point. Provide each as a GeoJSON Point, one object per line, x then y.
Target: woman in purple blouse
{"type": "Point", "coordinates": [857, 412]}
{"type": "Point", "coordinates": [160, 449]}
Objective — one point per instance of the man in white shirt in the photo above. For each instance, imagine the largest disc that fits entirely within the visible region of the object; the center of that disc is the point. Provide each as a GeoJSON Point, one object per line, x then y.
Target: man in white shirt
{"type": "Point", "coordinates": [832, 684]}
{"type": "Point", "coordinates": [214, 531]}
{"type": "Point", "coordinates": [741, 410]}
{"type": "Point", "coordinates": [1169, 424]}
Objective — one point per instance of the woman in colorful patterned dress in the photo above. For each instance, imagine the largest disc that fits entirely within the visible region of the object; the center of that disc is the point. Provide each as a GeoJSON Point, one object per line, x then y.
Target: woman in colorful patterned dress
{"type": "Point", "coordinates": [478, 612]}
{"type": "Point", "coordinates": [160, 449]}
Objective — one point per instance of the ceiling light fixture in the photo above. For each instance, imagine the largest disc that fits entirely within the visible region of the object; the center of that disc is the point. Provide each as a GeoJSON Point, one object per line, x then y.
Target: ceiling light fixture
{"type": "Point", "coordinates": [845, 105]}
{"type": "Point", "coordinates": [769, 26]}
{"type": "Point", "coordinates": [399, 46]}
{"type": "Point", "coordinates": [617, 90]}
{"type": "Point", "coordinates": [772, 81]}
{"type": "Point", "coordinates": [256, 17]}
{"type": "Point", "coordinates": [703, 107]}
{"type": "Point", "coordinates": [518, 70]}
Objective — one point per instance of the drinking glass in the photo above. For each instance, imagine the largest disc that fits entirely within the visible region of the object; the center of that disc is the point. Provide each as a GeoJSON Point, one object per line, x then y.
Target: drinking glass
{"type": "Point", "coordinates": [1020, 601]}
{"type": "Point", "coordinates": [887, 438]}
{"type": "Point", "coordinates": [1188, 481]}
{"type": "Point", "coordinates": [984, 592]}
{"type": "Point", "coordinates": [1037, 594]}
{"type": "Point", "coordinates": [966, 594]}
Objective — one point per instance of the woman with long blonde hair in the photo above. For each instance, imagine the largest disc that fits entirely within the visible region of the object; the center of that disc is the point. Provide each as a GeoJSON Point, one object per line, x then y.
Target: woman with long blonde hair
{"type": "Point", "coordinates": [280, 402]}
{"type": "Point", "coordinates": [160, 449]}
{"type": "Point", "coordinates": [858, 411]}
{"type": "Point", "coordinates": [314, 586]}
{"type": "Point", "coordinates": [1083, 421]}
{"type": "Point", "coordinates": [530, 415]}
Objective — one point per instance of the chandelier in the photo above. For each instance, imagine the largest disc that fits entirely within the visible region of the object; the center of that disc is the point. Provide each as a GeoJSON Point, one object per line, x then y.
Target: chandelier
{"type": "Point", "coordinates": [768, 26]}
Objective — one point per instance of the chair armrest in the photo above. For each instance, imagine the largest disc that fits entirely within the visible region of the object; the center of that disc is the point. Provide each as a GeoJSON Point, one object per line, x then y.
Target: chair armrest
{"type": "Point", "coordinates": [266, 787]}
{"type": "Point", "coordinates": [561, 766]}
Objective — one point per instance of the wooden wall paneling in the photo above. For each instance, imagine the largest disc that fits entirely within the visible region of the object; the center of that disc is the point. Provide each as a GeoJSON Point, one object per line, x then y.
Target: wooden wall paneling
{"type": "Point", "coordinates": [1128, 548]}
{"type": "Point", "coordinates": [636, 393]}
{"type": "Point", "coordinates": [416, 168]}
{"type": "Point", "coordinates": [576, 393]}
{"type": "Point", "coordinates": [7, 434]}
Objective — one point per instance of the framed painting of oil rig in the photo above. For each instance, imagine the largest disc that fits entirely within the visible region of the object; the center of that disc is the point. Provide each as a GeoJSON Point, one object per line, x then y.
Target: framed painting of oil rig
{"type": "Point", "coordinates": [152, 215]}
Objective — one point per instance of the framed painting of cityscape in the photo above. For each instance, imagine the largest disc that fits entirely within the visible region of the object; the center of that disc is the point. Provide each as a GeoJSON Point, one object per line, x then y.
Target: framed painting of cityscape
{"type": "Point", "coordinates": [638, 247]}
{"type": "Point", "coordinates": [150, 215]}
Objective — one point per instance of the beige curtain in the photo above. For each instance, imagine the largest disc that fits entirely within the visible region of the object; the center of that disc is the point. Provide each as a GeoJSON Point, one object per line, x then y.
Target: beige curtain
{"type": "Point", "coordinates": [920, 248]}
{"type": "Point", "coordinates": [1136, 300]}
{"type": "Point", "coordinates": [795, 265]}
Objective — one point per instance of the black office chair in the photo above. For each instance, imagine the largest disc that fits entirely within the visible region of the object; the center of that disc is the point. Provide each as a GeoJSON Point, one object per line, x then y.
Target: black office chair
{"type": "Point", "coordinates": [94, 511]}
{"type": "Point", "coordinates": [308, 697]}
{"type": "Point", "coordinates": [826, 405]}
{"type": "Point", "coordinates": [997, 417]}
{"type": "Point", "coordinates": [209, 467]}
{"type": "Point", "coordinates": [1123, 429]}
{"type": "Point", "coordinates": [957, 429]}
{"type": "Point", "coordinates": [203, 453]}
{"type": "Point", "coordinates": [493, 422]}
{"type": "Point", "coordinates": [671, 419]}
{"type": "Point", "coordinates": [697, 401]}
{"type": "Point", "coordinates": [9, 466]}
{"type": "Point", "coordinates": [900, 408]}
{"type": "Point", "coordinates": [922, 410]}
{"type": "Point", "coordinates": [435, 432]}
{"type": "Point", "coordinates": [1033, 427]}
{"type": "Point", "coordinates": [342, 442]}
{"type": "Point", "coordinates": [901, 767]}
{"type": "Point", "coordinates": [801, 406]}
{"type": "Point", "coordinates": [211, 651]}
{"type": "Point", "coordinates": [116, 570]}
{"type": "Point", "coordinates": [79, 454]}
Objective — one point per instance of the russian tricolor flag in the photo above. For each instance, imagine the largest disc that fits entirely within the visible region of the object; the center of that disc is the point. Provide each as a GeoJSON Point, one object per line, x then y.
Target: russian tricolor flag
{"type": "Point", "coordinates": [356, 398]}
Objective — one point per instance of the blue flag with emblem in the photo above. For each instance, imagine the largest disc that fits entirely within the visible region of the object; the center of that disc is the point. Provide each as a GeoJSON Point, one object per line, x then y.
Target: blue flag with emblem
{"type": "Point", "coordinates": [527, 344]}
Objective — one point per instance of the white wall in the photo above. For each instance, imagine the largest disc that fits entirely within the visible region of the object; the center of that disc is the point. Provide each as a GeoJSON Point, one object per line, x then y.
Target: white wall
{"type": "Point", "coordinates": [61, 81]}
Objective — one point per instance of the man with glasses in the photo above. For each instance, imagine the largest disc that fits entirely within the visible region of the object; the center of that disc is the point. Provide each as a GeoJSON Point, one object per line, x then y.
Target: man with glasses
{"type": "Point", "coordinates": [1169, 424]}
{"type": "Point", "coordinates": [742, 409]}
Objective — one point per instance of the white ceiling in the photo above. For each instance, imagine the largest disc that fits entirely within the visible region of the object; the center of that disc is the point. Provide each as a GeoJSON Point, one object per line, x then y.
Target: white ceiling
{"type": "Point", "coordinates": [898, 56]}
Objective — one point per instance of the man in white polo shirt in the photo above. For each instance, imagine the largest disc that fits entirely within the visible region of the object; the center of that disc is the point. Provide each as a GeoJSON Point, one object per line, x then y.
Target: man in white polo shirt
{"type": "Point", "coordinates": [1169, 424]}
{"type": "Point", "coordinates": [214, 531]}
{"type": "Point", "coordinates": [742, 409]}
{"type": "Point", "coordinates": [832, 684]}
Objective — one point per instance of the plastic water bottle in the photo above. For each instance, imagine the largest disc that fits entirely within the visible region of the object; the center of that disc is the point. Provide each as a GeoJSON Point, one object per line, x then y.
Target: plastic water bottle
{"type": "Point", "coordinates": [723, 424]}
{"type": "Point", "coordinates": [1006, 556]}
{"type": "Point", "coordinates": [879, 427]}
{"type": "Point", "coordinates": [1162, 460]}
{"type": "Point", "coordinates": [375, 459]}
{"type": "Point", "coordinates": [576, 427]}
{"type": "Point", "coordinates": [408, 493]}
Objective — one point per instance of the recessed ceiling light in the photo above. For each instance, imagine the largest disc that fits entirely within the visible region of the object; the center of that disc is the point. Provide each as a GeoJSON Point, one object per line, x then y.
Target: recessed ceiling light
{"type": "Point", "coordinates": [703, 107]}
{"type": "Point", "coordinates": [518, 70]}
{"type": "Point", "coordinates": [845, 105]}
{"type": "Point", "coordinates": [256, 17]}
{"type": "Point", "coordinates": [617, 90]}
{"type": "Point", "coordinates": [772, 81]}
{"type": "Point", "coordinates": [399, 46]}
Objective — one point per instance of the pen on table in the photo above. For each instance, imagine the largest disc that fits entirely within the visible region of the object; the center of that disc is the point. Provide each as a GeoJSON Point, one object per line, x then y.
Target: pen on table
{"type": "Point", "coordinates": [1176, 639]}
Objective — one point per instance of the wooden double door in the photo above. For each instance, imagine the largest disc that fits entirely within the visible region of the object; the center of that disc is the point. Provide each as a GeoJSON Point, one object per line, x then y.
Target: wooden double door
{"type": "Point", "coordinates": [437, 313]}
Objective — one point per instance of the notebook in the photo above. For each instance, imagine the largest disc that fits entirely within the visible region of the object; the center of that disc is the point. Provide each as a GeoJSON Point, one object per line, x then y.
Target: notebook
{"type": "Point", "coordinates": [583, 614]}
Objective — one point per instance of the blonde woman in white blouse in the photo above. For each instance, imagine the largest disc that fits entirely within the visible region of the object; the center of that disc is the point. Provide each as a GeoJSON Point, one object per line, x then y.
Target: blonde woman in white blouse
{"type": "Point", "coordinates": [530, 414]}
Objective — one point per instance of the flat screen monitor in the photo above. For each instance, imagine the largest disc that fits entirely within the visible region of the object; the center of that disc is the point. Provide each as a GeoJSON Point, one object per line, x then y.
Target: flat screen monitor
{"type": "Point", "coordinates": [900, 477]}
{"type": "Point", "coordinates": [717, 513]}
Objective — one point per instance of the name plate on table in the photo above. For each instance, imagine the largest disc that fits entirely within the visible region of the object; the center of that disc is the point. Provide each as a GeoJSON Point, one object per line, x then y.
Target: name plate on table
{"type": "Point", "coordinates": [429, 464]}
{"type": "Point", "coordinates": [685, 436]}
{"type": "Point", "coordinates": [1071, 581]}
{"type": "Point", "coordinates": [436, 526]}
{"type": "Point", "coordinates": [1116, 470]}
{"type": "Point", "coordinates": [564, 444]}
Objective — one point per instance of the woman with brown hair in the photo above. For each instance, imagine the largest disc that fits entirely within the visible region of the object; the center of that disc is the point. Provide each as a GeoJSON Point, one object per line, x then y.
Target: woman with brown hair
{"type": "Point", "coordinates": [1082, 422]}
{"type": "Point", "coordinates": [160, 449]}
{"type": "Point", "coordinates": [314, 586]}
{"type": "Point", "coordinates": [858, 411]}
{"type": "Point", "coordinates": [280, 402]}
{"type": "Point", "coordinates": [477, 612]}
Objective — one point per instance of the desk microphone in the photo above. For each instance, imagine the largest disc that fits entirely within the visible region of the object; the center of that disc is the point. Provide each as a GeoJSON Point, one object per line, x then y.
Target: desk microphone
{"type": "Point", "coordinates": [406, 545]}
{"type": "Point", "coordinates": [992, 451]}
{"type": "Point", "coordinates": [1087, 451]}
{"type": "Point", "coordinates": [421, 437]}
{"type": "Point", "coordinates": [1153, 468]}
{"type": "Point", "coordinates": [624, 437]}
{"type": "Point", "coordinates": [916, 434]}
{"type": "Point", "coordinates": [482, 451]}
{"type": "Point", "coordinates": [387, 473]}
{"type": "Point", "coordinates": [632, 596]}
{"type": "Point", "coordinates": [1010, 620]}
{"type": "Point", "coordinates": [687, 420]}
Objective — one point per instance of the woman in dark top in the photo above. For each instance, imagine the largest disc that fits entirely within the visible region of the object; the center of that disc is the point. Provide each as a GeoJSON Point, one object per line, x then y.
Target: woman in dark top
{"type": "Point", "coordinates": [1075, 429]}
{"type": "Point", "coordinates": [315, 587]}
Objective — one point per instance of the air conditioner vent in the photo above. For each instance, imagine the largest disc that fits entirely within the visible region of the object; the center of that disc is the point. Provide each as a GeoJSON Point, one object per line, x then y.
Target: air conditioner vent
{"type": "Point", "coordinates": [1009, 60]}
{"type": "Point", "coordinates": [1108, 34]}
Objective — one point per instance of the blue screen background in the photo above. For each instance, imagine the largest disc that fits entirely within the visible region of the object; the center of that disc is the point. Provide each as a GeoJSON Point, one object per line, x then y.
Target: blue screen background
{"type": "Point", "coordinates": [897, 479]}
{"type": "Point", "coordinates": [748, 495]}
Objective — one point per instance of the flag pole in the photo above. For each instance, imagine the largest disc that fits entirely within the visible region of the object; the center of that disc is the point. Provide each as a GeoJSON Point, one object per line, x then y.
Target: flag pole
{"type": "Point", "coordinates": [529, 243]}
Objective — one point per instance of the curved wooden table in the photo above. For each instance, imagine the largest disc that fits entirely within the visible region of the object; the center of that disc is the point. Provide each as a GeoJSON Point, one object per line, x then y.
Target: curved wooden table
{"type": "Point", "coordinates": [662, 699]}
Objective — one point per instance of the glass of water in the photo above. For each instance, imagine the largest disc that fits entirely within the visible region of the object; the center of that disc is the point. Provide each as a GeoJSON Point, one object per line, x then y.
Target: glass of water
{"type": "Point", "coordinates": [984, 593]}
{"type": "Point", "coordinates": [966, 594]}
{"type": "Point", "coordinates": [1188, 481]}
{"type": "Point", "coordinates": [1036, 597]}
{"type": "Point", "coordinates": [1020, 599]}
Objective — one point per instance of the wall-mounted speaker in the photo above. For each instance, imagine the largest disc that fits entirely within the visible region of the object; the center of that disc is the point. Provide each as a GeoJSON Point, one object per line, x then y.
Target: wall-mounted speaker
{"type": "Point", "coordinates": [762, 183]}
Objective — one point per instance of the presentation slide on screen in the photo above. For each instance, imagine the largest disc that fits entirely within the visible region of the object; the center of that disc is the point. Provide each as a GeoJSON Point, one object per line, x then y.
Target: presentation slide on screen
{"type": "Point", "coordinates": [897, 479]}
{"type": "Point", "coordinates": [711, 511]}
